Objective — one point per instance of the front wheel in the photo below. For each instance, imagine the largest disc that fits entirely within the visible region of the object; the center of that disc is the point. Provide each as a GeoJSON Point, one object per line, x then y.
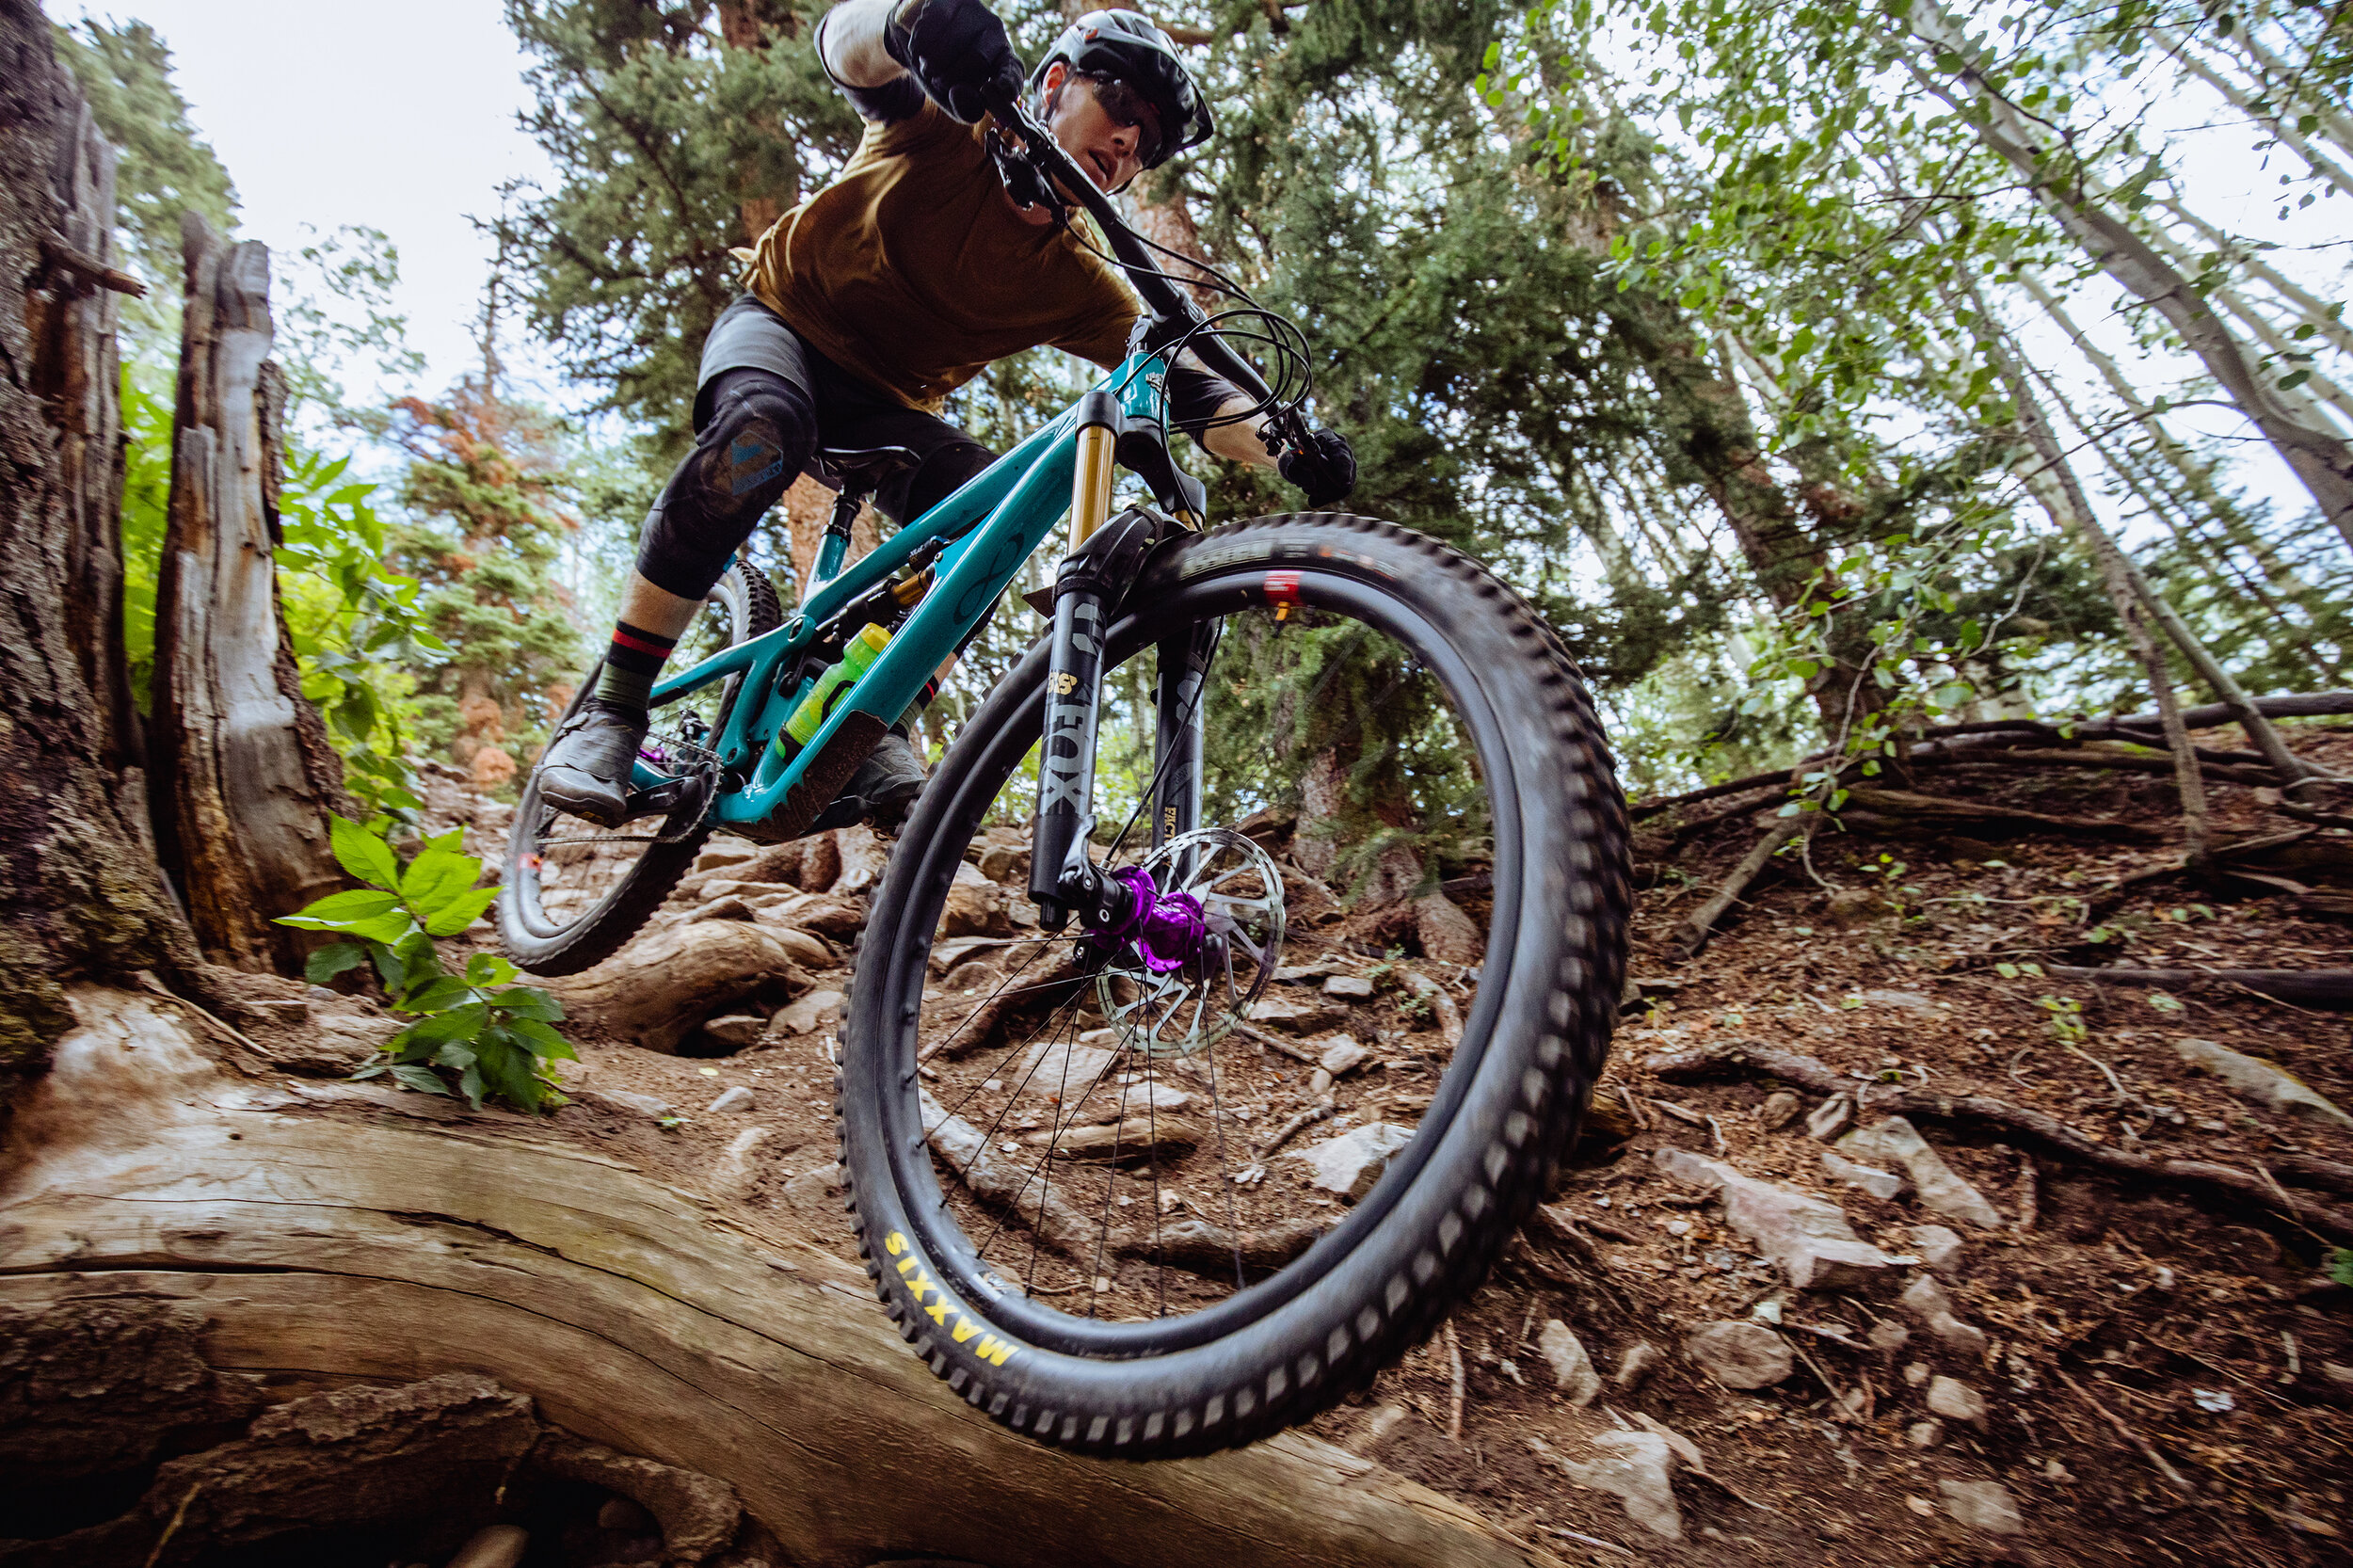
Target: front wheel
{"type": "Point", "coordinates": [1164, 1238]}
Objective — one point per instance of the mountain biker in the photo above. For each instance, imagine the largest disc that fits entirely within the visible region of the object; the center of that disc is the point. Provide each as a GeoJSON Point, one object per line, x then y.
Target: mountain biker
{"type": "Point", "coordinates": [872, 301]}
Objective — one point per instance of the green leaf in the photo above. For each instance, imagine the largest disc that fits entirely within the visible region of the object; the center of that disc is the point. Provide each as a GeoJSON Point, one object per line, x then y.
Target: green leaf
{"type": "Point", "coordinates": [466, 909]}
{"type": "Point", "coordinates": [470, 1082]}
{"type": "Point", "coordinates": [2341, 1265]}
{"type": "Point", "coordinates": [363, 854]}
{"type": "Point", "coordinates": [488, 968]}
{"type": "Point", "coordinates": [543, 1040]}
{"type": "Point", "coordinates": [444, 993]}
{"type": "Point", "coordinates": [420, 1078]}
{"type": "Point", "coordinates": [329, 962]}
{"type": "Point", "coordinates": [528, 1002]}
{"type": "Point", "coordinates": [435, 879]}
{"type": "Point", "coordinates": [342, 909]}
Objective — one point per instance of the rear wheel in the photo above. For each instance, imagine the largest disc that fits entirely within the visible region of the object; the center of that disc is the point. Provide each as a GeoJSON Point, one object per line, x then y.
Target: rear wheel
{"type": "Point", "coordinates": [572, 892]}
{"type": "Point", "coordinates": [1064, 1158]}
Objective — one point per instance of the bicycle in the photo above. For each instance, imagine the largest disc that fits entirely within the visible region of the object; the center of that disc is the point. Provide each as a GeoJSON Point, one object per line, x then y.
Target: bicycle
{"type": "Point", "coordinates": [1048, 1140]}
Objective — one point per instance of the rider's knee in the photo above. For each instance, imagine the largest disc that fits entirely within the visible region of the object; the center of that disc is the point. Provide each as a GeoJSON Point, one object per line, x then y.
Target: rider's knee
{"type": "Point", "coordinates": [761, 430]}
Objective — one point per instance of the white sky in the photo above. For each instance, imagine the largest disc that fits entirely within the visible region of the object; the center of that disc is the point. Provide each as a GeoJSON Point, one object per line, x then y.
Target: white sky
{"type": "Point", "coordinates": [400, 116]}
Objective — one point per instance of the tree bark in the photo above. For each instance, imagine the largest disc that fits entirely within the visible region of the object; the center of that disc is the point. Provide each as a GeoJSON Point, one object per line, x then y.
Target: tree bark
{"type": "Point", "coordinates": [349, 1232]}
{"type": "Point", "coordinates": [245, 778]}
{"type": "Point", "coordinates": [2052, 481]}
{"type": "Point", "coordinates": [79, 892]}
{"type": "Point", "coordinates": [2318, 458]}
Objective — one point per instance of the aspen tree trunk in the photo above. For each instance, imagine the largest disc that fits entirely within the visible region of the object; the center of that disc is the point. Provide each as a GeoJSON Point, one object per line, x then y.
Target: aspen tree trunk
{"type": "Point", "coordinates": [2321, 460]}
{"type": "Point", "coordinates": [79, 892]}
{"type": "Point", "coordinates": [245, 778]}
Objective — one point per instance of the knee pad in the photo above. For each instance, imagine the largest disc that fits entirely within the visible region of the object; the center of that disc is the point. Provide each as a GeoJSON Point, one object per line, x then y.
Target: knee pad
{"type": "Point", "coordinates": [761, 430]}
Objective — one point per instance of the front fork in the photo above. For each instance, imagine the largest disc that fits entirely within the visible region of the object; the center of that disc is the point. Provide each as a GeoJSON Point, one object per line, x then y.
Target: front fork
{"type": "Point", "coordinates": [1062, 877]}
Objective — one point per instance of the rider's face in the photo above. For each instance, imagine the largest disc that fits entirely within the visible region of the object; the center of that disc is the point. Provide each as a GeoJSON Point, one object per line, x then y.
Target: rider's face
{"type": "Point", "coordinates": [1110, 147]}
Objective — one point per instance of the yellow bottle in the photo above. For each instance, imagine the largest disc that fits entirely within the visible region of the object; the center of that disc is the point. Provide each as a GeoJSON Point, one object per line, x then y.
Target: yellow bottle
{"type": "Point", "coordinates": [810, 716]}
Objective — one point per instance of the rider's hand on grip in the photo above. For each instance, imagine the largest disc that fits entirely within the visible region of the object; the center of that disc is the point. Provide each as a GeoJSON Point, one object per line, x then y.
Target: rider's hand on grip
{"type": "Point", "coordinates": [958, 53]}
{"type": "Point", "coordinates": [1321, 465]}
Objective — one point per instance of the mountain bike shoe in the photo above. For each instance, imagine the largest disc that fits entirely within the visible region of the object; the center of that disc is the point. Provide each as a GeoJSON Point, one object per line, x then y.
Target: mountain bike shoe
{"type": "Point", "coordinates": [585, 771]}
{"type": "Point", "coordinates": [885, 785]}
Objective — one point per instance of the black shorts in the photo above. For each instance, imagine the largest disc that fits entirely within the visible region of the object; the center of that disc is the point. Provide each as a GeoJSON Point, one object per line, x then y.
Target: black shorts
{"type": "Point", "coordinates": [851, 411]}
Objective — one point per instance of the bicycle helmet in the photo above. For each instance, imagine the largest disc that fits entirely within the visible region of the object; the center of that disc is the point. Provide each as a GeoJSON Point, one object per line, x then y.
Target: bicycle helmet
{"type": "Point", "coordinates": [1127, 46]}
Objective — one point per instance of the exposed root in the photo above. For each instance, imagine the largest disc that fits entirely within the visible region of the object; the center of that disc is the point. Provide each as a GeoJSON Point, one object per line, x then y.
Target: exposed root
{"type": "Point", "coordinates": [1693, 934]}
{"type": "Point", "coordinates": [2035, 1127]}
{"type": "Point", "coordinates": [2327, 988]}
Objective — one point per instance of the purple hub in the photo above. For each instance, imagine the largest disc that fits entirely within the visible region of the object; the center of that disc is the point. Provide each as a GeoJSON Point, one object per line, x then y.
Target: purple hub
{"type": "Point", "coordinates": [1167, 928]}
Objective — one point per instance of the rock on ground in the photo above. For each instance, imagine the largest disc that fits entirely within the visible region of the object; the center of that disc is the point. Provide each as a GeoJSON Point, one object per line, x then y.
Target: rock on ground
{"type": "Point", "coordinates": [733, 1173]}
{"type": "Point", "coordinates": [1982, 1505]}
{"type": "Point", "coordinates": [1572, 1368]}
{"type": "Point", "coordinates": [804, 1016]}
{"type": "Point", "coordinates": [1349, 987]}
{"type": "Point", "coordinates": [1939, 1246]}
{"type": "Point", "coordinates": [1637, 1466]}
{"type": "Point", "coordinates": [1865, 1178]}
{"type": "Point", "coordinates": [737, 1098]}
{"type": "Point", "coordinates": [1740, 1354]}
{"type": "Point", "coordinates": [1927, 1299]}
{"type": "Point", "coordinates": [1640, 1360]}
{"type": "Point", "coordinates": [1942, 1190]}
{"type": "Point", "coordinates": [2270, 1086]}
{"type": "Point", "coordinates": [1828, 1119]}
{"type": "Point", "coordinates": [1341, 1056]}
{"type": "Point", "coordinates": [1956, 1401]}
{"type": "Point", "coordinates": [1810, 1238]}
{"type": "Point", "coordinates": [1353, 1162]}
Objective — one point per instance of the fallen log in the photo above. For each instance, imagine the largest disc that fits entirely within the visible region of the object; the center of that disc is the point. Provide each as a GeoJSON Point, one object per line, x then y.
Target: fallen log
{"type": "Point", "coordinates": [2332, 989]}
{"type": "Point", "coordinates": [2019, 1124]}
{"type": "Point", "coordinates": [335, 1232]}
{"type": "Point", "coordinates": [659, 989]}
{"type": "Point", "coordinates": [2140, 729]}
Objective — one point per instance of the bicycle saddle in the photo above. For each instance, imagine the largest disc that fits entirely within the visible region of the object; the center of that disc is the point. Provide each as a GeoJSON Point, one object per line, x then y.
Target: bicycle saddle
{"type": "Point", "coordinates": [858, 469]}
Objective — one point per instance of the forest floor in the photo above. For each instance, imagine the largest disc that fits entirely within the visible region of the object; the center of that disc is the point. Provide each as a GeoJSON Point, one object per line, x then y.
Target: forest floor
{"type": "Point", "coordinates": [2144, 1372]}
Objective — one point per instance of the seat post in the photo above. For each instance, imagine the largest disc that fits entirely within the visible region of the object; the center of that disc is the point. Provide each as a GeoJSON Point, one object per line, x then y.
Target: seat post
{"type": "Point", "coordinates": [835, 544]}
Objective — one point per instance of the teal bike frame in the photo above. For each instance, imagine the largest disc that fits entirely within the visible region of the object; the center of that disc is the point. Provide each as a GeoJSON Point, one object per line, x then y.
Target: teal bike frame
{"type": "Point", "coordinates": [1015, 502]}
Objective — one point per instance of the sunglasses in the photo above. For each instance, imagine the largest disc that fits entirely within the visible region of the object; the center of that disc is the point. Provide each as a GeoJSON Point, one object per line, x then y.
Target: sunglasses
{"type": "Point", "coordinates": [1131, 110]}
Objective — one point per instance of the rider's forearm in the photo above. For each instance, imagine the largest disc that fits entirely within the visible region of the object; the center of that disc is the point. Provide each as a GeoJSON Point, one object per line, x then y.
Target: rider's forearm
{"type": "Point", "coordinates": [850, 39]}
{"type": "Point", "coordinates": [1239, 442]}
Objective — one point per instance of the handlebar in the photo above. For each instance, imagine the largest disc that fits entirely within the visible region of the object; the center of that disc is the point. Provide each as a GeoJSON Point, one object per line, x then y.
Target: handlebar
{"type": "Point", "coordinates": [1159, 291]}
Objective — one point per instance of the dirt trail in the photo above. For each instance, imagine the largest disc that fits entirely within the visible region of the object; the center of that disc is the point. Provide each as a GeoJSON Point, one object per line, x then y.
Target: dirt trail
{"type": "Point", "coordinates": [2143, 1377]}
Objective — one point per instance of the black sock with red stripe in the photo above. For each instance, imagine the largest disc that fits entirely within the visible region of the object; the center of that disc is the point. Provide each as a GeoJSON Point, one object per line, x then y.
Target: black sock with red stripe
{"type": "Point", "coordinates": [631, 665]}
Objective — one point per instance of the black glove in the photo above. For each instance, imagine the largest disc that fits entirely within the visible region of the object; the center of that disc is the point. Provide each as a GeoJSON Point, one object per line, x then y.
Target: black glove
{"type": "Point", "coordinates": [958, 53]}
{"type": "Point", "coordinates": [1321, 465]}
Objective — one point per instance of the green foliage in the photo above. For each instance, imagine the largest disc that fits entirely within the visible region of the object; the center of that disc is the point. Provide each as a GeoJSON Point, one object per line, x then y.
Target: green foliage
{"type": "Point", "coordinates": [356, 625]}
{"type": "Point", "coordinates": [670, 144]}
{"type": "Point", "coordinates": [484, 492]}
{"type": "Point", "coordinates": [496, 1037]}
{"type": "Point", "coordinates": [2339, 1266]}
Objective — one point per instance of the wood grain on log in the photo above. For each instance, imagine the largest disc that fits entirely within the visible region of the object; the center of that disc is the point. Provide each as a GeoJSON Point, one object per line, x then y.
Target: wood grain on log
{"type": "Point", "coordinates": [244, 780]}
{"type": "Point", "coordinates": [350, 1232]}
{"type": "Point", "coordinates": [659, 989]}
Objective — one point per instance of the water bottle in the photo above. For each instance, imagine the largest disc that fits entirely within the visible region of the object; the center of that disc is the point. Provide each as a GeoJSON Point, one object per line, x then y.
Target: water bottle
{"type": "Point", "coordinates": [810, 716]}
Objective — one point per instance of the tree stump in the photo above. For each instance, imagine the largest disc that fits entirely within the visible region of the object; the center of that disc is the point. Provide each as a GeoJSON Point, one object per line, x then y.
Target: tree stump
{"type": "Point", "coordinates": [245, 778]}
{"type": "Point", "coordinates": [331, 1232]}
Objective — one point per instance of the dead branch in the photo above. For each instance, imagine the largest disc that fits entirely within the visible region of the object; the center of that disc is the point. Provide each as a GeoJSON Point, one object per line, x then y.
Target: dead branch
{"type": "Point", "coordinates": [1907, 803]}
{"type": "Point", "coordinates": [1441, 1005]}
{"type": "Point", "coordinates": [1282, 1135]}
{"type": "Point", "coordinates": [1455, 1383]}
{"type": "Point", "coordinates": [2018, 1122]}
{"type": "Point", "coordinates": [1290, 1048]}
{"type": "Point", "coordinates": [1693, 933]}
{"type": "Point", "coordinates": [2140, 729]}
{"type": "Point", "coordinates": [2332, 989]}
{"type": "Point", "coordinates": [2172, 1477]}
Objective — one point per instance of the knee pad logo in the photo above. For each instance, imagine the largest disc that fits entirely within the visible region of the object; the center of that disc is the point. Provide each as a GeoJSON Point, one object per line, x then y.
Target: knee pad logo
{"type": "Point", "coordinates": [751, 463]}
